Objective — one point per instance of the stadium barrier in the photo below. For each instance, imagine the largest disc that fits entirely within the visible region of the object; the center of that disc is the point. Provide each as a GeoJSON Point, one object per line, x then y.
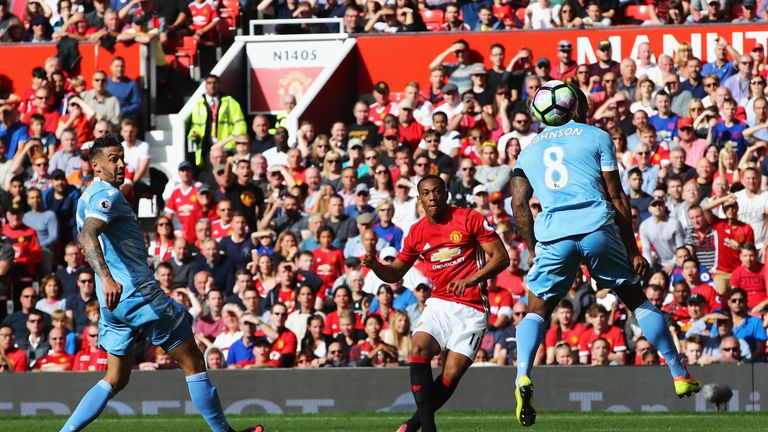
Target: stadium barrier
{"type": "Point", "coordinates": [611, 389]}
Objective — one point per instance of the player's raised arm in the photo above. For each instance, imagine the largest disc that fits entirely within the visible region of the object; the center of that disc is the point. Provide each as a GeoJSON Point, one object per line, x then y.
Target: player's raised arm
{"type": "Point", "coordinates": [89, 243]}
{"type": "Point", "coordinates": [623, 218]}
{"type": "Point", "coordinates": [522, 210]}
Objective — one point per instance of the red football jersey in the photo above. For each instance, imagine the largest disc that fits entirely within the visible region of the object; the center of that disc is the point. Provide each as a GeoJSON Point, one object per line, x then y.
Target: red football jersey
{"type": "Point", "coordinates": [332, 324]}
{"type": "Point", "coordinates": [283, 348]}
{"type": "Point", "coordinates": [451, 250]}
{"type": "Point", "coordinates": [329, 265]}
{"type": "Point", "coordinates": [710, 295]}
{"type": "Point", "coordinates": [219, 230]}
{"type": "Point", "coordinates": [500, 303]}
{"type": "Point", "coordinates": [186, 208]}
{"type": "Point", "coordinates": [87, 360]}
{"type": "Point", "coordinates": [59, 359]}
{"type": "Point", "coordinates": [751, 282]}
{"type": "Point", "coordinates": [727, 241]}
{"type": "Point", "coordinates": [572, 336]}
{"type": "Point", "coordinates": [612, 334]}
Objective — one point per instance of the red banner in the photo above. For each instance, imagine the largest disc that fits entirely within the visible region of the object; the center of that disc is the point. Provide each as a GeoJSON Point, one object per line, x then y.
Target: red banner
{"type": "Point", "coordinates": [399, 59]}
{"type": "Point", "coordinates": [20, 59]}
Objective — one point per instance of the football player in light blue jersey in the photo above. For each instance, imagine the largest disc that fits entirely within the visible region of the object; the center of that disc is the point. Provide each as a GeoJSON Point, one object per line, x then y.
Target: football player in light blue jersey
{"type": "Point", "coordinates": [130, 299]}
{"type": "Point", "coordinates": [585, 217]}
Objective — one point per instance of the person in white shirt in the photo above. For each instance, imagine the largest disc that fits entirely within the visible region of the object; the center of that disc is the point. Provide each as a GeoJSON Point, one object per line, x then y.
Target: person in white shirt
{"type": "Point", "coordinates": [645, 65]}
{"type": "Point", "coordinates": [136, 154]}
{"type": "Point", "coordinates": [753, 205]}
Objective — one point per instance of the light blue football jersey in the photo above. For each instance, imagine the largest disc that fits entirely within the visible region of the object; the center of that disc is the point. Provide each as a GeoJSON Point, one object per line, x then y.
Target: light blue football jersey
{"type": "Point", "coordinates": [563, 165]}
{"type": "Point", "coordinates": [121, 241]}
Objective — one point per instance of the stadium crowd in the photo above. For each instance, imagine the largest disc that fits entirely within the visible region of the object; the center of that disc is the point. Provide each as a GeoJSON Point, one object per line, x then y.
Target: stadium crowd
{"type": "Point", "coordinates": [262, 232]}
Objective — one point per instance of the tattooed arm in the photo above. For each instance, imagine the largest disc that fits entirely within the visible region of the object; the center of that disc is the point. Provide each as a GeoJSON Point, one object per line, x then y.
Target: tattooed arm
{"type": "Point", "coordinates": [522, 211]}
{"type": "Point", "coordinates": [89, 243]}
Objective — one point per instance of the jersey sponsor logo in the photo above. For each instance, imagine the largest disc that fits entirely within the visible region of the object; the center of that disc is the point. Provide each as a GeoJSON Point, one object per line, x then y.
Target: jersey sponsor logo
{"type": "Point", "coordinates": [104, 204]}
{"type": "Point", "coordinates": [455, 236]}
{"type": "Point", "coordinates": [445, 254]}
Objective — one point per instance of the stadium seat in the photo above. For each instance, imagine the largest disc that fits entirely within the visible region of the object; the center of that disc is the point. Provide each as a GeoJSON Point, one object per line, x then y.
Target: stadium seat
{"type": "Point", "coordinates": [433, 19]}
{"type": "Point", "coordinates": [520, 14]}
{"type": "Point", "coordinates": [638, 12]}
{"type": "Point", "coordinates": [186, 56]}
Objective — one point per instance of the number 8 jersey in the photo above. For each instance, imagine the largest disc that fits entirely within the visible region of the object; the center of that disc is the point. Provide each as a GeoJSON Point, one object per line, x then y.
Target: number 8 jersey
{"type": "Point", "coordinates": [564, 166]}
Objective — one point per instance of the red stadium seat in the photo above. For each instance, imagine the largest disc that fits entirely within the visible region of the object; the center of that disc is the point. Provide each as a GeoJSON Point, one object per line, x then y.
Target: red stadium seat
{"type": "Point", "coordinates": [433, 19]}
{"type": "Point", "coordinates": [521, 14]}
{"type": "Point", "coordinates": [186, 56]}
{"type": "Point", "coordinates": [638, 12]}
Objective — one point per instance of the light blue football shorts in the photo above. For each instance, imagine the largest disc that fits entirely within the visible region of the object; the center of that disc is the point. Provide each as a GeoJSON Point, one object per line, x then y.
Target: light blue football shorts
{"type": "Point", "coordinates": [555, 265]}
{"type": "Point", "coordinates": [147, 309]}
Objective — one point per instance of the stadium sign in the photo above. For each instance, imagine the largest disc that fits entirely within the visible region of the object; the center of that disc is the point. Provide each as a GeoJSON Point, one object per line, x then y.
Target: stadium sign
{"type": "Point", "coordinates": [580, 388]}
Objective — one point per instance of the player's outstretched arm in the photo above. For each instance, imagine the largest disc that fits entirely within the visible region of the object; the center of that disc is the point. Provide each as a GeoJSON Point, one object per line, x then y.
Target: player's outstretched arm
{"type": "Point", "coordinates": [388, 273]}
{"type": "Point", "coordinates": [522, 210]}
{"type": "Point", "coordinates": [623, 218]}
{"type": "Point", "coordinates": [89, 243]}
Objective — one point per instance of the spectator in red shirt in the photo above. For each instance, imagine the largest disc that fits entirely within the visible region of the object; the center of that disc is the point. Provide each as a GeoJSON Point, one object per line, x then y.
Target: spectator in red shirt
{"type": "Point", "coordinates": [566, 67]}
{"type": "Point", "coordinates": [598, 316]}
{"type": "Point", "coordinates": [261, 355]}
{"type": "Point", "coordinates": [411, 131]}
{"type": "Point", "coordinates": [42, 105]}
{"type": "Point", "coordinates": [750, 277]}
{"type": "Point", "coordinates": [204, 19]}
{"type": "Point", "coordinates": [17, 358]}
{"type": "Point", "coordinates": [373, 351]}
{"type": "Point", "coordinates": [58, 359]}
{"type": "Point", "coordinates": [500, 302]}
{"type": "Point", "coordinates": [705, 290]}
{"type": "Point", "coordinates": [565, 330]}
{"type": "Point", "coordinates": [730, 234]}
{"type": "Point", "coordinates": [284, 344]}
{"type": "Point", "coordinates": [183, 201]}
{"type": "Point", "coordinates": [91, 358]}
{"type": "Point", "coordinates": [678, 308]}
{"type": "Point", "coordinates": [23, 239]}
{"type": "Point", "coordinates": [329, 261]}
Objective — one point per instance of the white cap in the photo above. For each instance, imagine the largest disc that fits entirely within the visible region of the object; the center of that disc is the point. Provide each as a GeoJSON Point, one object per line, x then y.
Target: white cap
{"type": "Point", "coordinates": [388, 252]}
{"type": "Point", "coordinates": [479, 189]}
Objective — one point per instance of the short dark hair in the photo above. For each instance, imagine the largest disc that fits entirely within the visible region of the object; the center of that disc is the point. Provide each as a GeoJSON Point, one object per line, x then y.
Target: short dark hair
{"type": "Point", "coordinates": [39, 73]}
{"type": "Point", "coordinates": [99, 144]}
{"type": "Point", "coordinates": [210, 75]}
{"type": "Point", "coordinates": [431, 177]}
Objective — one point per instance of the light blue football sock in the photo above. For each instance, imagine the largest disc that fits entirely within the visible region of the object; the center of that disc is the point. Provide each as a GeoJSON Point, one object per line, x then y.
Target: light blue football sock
{"type": "Point", "coordinates": [655, 329]}
{"type": "Point", "coordinates": [206, 400]}
{"type": "Point", "coordinates": [90, 407]}
{"type": "Point", "coordinates": [529, 335]}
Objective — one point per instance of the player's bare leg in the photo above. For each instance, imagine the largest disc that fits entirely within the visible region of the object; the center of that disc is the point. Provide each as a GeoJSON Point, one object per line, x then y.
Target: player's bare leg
{"type": "Point", "coordinates": [93, 403]}
{"type": "Point", "coordinates": [529, 335]}
{"type": "Point", "coordinates": [443, 386]}
{"type": "Point", "coordinates": [203, 393]}
{"type": "Point", "coordinates": [654, 327]}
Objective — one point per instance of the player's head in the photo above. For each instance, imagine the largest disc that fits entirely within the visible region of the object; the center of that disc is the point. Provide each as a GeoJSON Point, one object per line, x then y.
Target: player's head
{"type": "Point", "coordinates": [106, 156]}
{"type": "Point", "coordinates": [433, 195]}
{"type": "Point", "coordinates": [582, 106]}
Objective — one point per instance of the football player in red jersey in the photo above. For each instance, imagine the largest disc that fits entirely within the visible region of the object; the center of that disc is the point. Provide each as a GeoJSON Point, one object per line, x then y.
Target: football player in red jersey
{"type": "Point", "coordinates": [455, 243]}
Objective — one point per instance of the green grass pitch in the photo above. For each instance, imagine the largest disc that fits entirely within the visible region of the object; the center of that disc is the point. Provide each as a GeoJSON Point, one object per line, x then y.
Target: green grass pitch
{"type": "Point", "coordinates": [446, 421]}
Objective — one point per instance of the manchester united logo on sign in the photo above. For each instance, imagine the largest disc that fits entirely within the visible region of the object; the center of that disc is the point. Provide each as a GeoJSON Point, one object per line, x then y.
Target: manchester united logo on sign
{"type": "Point", "coordinates": [455, 236]}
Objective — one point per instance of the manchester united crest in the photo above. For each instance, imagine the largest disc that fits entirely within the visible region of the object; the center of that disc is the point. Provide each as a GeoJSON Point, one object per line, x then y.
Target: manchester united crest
{"type": "Point", "coordinates": [455, 236]}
